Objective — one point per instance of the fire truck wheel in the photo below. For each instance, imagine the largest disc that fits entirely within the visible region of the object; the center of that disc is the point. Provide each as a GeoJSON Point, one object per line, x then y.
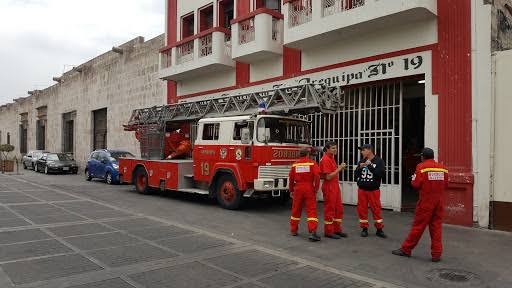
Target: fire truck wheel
{"type": "Point", "coordinates": [141, 181]}
{"type": "Point", "coordinates": [228, 195]}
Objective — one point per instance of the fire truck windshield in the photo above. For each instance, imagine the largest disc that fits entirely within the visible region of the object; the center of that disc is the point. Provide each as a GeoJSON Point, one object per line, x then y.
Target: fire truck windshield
{"type": "Point", "coordinates": [278, 130]}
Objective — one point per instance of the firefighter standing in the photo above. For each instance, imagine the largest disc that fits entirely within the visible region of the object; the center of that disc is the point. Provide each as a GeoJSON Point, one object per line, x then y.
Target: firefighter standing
{"type": "Point", "coordinates": [333, 207]}
{"type": "Point", "coordinates": [304, 183]}
{"type": "Point", "coordinates": [369, 175]}
{"type": "Point", "coordinates": [431, 178]}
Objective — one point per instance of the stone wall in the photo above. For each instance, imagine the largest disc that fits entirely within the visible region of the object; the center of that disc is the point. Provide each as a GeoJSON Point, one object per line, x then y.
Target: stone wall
{"type": "Point", "coordinates": [118, 82]}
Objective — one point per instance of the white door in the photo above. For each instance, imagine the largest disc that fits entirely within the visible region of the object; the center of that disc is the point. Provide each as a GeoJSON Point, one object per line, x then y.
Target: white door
{"type": "Point", "coordinates": [371, 114]}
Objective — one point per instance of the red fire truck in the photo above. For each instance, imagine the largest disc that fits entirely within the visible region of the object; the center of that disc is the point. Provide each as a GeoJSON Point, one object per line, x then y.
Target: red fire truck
{"type": "Point", "coordinates": [237, 153]}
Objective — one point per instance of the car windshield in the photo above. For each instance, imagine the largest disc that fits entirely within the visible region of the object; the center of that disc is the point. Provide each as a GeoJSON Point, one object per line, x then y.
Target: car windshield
{"type": "Point", "coordinates": [279, 130]}
{"type": "Point", "coordinates": [58, 157]}
{"type": "Point", "coordinates": [120, 154]}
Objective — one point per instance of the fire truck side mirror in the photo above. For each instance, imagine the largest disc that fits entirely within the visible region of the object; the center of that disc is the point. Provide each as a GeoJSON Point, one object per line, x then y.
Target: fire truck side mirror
{"type": "Point", "coordinates": [246, 136]}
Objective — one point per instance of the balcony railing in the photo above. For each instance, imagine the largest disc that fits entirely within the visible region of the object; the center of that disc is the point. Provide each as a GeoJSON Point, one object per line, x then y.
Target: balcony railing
{"type": "Point", "coordinates": [246, 31]}
{"type": "Point", "coordinates": [301, 12]}
{"type": "Point", "coordinates": [276, 29]}
{"type": "Point", "coordinates": [185, 52]}
{"type": "Point", "coordinates": [205, 46]}
{"type": "Point", "coordinates": [205, 52]}
{"type": "Point", "coordinates": [331, 7]}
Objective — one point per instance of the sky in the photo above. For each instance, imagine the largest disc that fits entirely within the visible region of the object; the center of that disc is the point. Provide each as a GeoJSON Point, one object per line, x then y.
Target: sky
{"type": "Point", "coordinates": [41, 39]}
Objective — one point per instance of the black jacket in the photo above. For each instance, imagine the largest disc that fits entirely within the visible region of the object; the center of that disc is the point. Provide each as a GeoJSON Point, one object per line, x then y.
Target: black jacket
{"type": "Point", "coordinates": [370, 177]}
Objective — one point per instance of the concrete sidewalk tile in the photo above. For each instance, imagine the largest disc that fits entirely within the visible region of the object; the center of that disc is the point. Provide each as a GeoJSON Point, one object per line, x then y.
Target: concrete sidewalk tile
{"type": "Point", "coordinates": [188, 275]}
{"type": "Point", "coordinates": [128, 255]}
{"type": "Point", "coordinates": [79, 229]}
{"type": "Point", "coordinates": [134, 224]}
{"type": "Point", "coordinates": [193, 244]}
{"type": "Point", "coordinates": [32, 249]}
{"type": "Point", "coordinates": [38, 210]}
{"type": "Point", "coordinates": [29, 271]}
{"type": "Point", "coordinates": [251, 263]}
{"type": "Point", "coordinates": [50, 196]}
{"type": "Point", "coordinates": [111, 283]}
{"type": "Point", "coordinates": [312, 277]}
{"type": "Point", "coordinates": [161, 232]}
{"type": "Point", "coordinates": [13, 222]}
{"type": "Point", "coordinates": [54, 219]}
{"type": "Point", "coordinates": [100, 241]}
{"type": "Point", "coordinates": [103, 214]}
{"type": "Point", "coordinates": [16, 198]}
{"type": "Point", "coordinates": [11, 237]}
{"type": "Point", "coordinates": [81, 206]}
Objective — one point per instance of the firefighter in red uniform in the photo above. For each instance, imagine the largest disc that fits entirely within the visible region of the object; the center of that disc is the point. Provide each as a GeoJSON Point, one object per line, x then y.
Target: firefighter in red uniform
{"type": "Point", "coordinates": [177, 143]}
{"type": "Point", "coordinates": [304, 183]}
{"type": "Point", "coordinates": [333, 207]}
{"type": "Point", "coordinates": [431, 178]}
{"type": "Point", "coordinates": [369, 173]}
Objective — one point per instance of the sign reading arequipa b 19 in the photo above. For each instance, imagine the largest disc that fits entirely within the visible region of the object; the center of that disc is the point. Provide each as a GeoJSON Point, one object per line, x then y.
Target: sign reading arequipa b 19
{"type": "Point", "coordinates": [396, 67]}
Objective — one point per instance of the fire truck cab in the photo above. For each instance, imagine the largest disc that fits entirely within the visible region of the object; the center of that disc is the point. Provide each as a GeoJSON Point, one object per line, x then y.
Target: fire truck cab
{"type": "Point", "coordinates": [233, 158]}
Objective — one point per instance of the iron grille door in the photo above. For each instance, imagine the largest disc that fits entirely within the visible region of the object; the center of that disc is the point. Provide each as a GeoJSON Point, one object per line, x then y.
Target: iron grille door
{"type": "Point", "coordinates": [371, 114]}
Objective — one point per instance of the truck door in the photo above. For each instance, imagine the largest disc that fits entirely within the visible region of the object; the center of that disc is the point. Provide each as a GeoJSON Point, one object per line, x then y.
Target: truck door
{"type": "Point", "coordinates": [207, 152]}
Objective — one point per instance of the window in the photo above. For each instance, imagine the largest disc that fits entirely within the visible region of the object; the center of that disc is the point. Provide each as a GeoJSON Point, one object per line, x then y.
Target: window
{"type": "Point", "coordinates": [8, 138]}
{"type": "Point", "coordinates": [206, 18]}
{"type": "Point", "coordinates": [237, 133]}
{"type": "Point", "coordinates": [187, 26]}
{"type": "Point", "coordinates": [269, 4]}
{"type": "Point", "coordinates": [211, 131]}
{"type": "Point", "coordinates": [226, 13]}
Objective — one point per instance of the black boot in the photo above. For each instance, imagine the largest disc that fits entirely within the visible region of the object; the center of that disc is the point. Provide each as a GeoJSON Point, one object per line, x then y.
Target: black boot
{"type": "Point", "coordinates": [381, 234]}
{"type": "Point", "coordinates": [294, 233]}
{"type": "Point", "coordinates": [313, 237]}
{"type": "Point", "coordinates": [399, 252]}
{"type": "Point", "coordinates": [364, 232]}
{"type": "Point", "coordinates": [342, 234]}
{"type": "Point", "coordinates": [332, 236]}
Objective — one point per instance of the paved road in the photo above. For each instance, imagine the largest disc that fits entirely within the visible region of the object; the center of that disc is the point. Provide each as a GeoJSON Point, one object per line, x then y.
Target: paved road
{"type": "Point", "coordinates": [61, 231]}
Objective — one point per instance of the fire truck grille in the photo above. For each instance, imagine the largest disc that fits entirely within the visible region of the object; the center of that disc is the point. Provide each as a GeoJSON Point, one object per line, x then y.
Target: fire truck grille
{"type": "Point", "coordinates": [274, 172]}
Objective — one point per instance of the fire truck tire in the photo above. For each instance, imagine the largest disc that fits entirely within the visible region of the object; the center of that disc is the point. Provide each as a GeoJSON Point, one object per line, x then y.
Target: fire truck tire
{"type": "Point", "coordinates": [228, 195]}
{"type": "Point", "coordinates": [141, 181]}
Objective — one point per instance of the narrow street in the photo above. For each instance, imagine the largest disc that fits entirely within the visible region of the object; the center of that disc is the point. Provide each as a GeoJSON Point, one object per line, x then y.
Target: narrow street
{"type": "Point", "coordinates": [61, 231]}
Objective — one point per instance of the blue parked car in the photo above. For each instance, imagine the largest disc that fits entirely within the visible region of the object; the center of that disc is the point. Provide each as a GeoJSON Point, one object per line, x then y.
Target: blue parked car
{"type": "Point", "coordinates": [104, 164]}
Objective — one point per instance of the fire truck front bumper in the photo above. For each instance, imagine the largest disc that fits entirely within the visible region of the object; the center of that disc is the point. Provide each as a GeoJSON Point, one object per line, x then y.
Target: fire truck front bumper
{"type": "Point", "coordinates": [268, 188]}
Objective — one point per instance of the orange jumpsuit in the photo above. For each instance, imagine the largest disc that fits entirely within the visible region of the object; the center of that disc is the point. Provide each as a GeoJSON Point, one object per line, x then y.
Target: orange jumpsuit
{"type": "Point", "coordinates": [304, 182]}
{"type": "Point", "coordinates": [431, 179]}
{"type": "Point", "coordinates": [333, 207]}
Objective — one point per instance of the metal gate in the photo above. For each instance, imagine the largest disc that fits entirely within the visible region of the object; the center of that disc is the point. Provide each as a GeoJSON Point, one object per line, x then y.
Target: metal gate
{"type": "Point", "coordinates": [371, 114]}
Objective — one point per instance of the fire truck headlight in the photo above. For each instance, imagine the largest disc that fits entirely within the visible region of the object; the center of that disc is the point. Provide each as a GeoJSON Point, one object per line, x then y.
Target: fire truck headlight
{"type": "Point", "coordinates": [268, 184]}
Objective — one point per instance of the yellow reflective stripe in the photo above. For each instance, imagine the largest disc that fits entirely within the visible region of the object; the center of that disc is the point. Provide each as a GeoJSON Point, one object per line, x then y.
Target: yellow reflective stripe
{"type": "Point", "coordinates": [328, 223]}
{"type": "Point", "coordinates": [434, 170]}
{"type": "Point", "coordinates": [378, 221]}
{"type": "Point", "coordinates": [313, 219]}
{"type": "Point", "coordinates": [338, 220]}
{"type": "Point", "coordinates": [363, 221]}
{"type": "Point", "coordinates": [296, 219]}
{"type": "Point", "coordinates": [303, 164]}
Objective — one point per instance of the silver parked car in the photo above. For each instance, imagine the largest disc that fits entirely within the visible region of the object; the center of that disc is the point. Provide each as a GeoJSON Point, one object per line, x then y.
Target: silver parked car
{"type": "Point", "coordinates": [29, 160]}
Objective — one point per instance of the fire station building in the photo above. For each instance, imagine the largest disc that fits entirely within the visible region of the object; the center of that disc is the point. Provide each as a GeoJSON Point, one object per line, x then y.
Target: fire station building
{"type": "Point", "coordinates": [413, 74]}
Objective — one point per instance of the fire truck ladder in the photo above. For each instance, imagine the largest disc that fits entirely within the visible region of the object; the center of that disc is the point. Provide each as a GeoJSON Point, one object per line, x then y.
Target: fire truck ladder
{"type": "Point", "coordinates": [306, 98]}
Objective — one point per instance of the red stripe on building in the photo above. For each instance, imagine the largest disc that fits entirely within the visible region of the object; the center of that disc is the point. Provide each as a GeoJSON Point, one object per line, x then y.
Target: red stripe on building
{"type": "Point", "coordinates": [172, 18]}
{"type": "Point", "coordinates": [452, 82]}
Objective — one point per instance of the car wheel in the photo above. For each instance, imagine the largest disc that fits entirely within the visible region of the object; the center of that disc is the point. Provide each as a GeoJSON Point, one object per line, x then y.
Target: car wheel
{"type": "Point", "coordinates": [228, 195]}
{"type": "Point", "coordinates": [108, 178]}
{"type": "Point", "coordinates": [45, 169]}
{"type": "Point", "coordinates": [87, 175]}
{"type": "Point", "coordinates": [142, 181]}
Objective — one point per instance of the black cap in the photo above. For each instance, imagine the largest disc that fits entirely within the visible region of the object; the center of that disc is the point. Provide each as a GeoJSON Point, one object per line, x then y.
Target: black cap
{"type": "Point", "coordinates": [427, 153]}
{"type": "Point", "coordinates": [366, 146]}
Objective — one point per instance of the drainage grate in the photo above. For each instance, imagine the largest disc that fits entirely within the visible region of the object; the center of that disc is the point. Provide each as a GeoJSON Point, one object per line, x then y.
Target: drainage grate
{"type": "Point", "coordinates": [455, 276]}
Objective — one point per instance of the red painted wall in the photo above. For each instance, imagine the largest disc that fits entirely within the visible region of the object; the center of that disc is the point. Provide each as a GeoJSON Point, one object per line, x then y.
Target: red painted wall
{"type": "Point", "coordinates": [243, 70]}
{"type": "Point", "coordinates": [172, 93]}
{"type": "Point", "coordinates": [452, 82]}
